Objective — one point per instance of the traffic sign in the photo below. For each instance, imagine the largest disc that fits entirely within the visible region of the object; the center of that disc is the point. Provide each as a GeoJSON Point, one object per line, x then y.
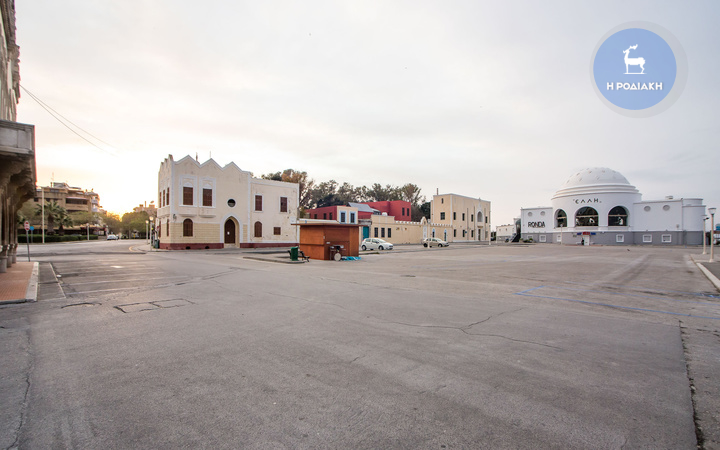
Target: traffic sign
{"type": "Point", "coordinates": [32, 228]}
{"type": "Point", "coordinates": [27, 225]}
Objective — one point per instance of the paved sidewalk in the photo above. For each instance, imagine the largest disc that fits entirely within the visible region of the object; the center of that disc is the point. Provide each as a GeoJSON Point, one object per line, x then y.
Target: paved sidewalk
{"type": "Point", "coordinates": [19, 283]}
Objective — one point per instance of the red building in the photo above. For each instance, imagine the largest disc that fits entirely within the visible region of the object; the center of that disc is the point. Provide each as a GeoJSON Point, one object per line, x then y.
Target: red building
{"type": "Point", "coordinates": [400, 209]}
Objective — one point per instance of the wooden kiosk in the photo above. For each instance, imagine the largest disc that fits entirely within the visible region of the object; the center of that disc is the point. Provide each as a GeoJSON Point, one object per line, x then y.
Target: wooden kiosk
{"type": "Point", "coordinates": [324, 239]}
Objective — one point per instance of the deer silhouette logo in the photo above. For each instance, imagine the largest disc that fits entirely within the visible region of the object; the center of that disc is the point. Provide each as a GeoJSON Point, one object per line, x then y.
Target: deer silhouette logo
{"type": "Point", "coordinates": [633, 62]}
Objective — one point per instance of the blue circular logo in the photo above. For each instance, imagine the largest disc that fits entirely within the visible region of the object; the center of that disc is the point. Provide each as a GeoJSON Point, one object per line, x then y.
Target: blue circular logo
{"type": "Point", "coordinates": [639, 69]}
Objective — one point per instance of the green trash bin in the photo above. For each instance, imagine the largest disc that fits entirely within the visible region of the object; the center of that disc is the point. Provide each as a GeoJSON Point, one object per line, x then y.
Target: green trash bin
{"type": "Point", "coordinates": [294, 253]}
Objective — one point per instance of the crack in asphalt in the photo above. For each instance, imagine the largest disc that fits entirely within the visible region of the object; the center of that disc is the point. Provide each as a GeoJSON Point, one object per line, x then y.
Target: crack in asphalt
{"type": "Point", "coordinates": [23, 407]}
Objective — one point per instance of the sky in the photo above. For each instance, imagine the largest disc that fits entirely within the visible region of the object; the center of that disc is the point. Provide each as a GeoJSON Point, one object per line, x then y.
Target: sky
{"type": "Point", "coordinates": [484, 99]}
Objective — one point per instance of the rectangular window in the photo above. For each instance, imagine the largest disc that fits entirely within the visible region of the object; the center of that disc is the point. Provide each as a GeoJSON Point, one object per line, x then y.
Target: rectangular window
{"type": "Point", "coordinates": [442, 216]}
{"type": "Point", "coordinates": [207, 197]}
{"type": "Point", "coordinates": [187, 195]}
{"type": "Point", "coordinates": [472, 218]}
{"type": "Point", "coordinates": [463, 216]}
{"type": "Point", "coordinates": [330, 216]}
{"type": "Point", "coordinates": [382, 232]}
{"type": "Point", "coordinates": [342, 217]}
{"type": "Point", "coordinates": [316, 216]}
{"type": "Point", "coordinates": [389, 233]}
{"type": "Point", "coordinates": [283, 204]}
{"type": "Point", "coordinates": [454, 215]}
{"type": "Point", "coordinates": [161, 197]}
{"type": "Point", "coordinates": [666, 238]}
{"type": "Point", "coordinates": [454, 233]}
{"type": "Point", "coordinates": [352, 217]}
{"type": "Point", "coordinates": [276, 231]}
{"type": "Point", "coordinates": [647, 238]}
{"type": "Point", "coordinates": [167, 197]}
{"type": "Point", "coordinates": [376, 232]}
{"type": "Point", "coordinates": [543, 238]}
{"type": "Point", "coordinates": [324, 216]}
{"type": "Point", "coordinates": [472, 233]}
{"type": "Point", "coordinates": [258, 203]}
{"type": "Point", "coordinates": [403, 211]}
{"type": "Point", "coordinates": [620, 238]}
{"type": "Point", "coordinates": [463, 233]}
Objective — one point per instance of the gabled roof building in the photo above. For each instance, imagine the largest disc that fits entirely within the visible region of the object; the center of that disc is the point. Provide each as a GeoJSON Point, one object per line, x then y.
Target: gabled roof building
{"type": "Point", "coordinates": [206, 206]}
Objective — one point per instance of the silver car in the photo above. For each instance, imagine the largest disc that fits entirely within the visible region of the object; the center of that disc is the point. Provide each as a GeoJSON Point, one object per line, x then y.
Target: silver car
{"type": "Point", "coordinates": [434, 242]}
{"type": "Point", "coordinates": [375, 244]}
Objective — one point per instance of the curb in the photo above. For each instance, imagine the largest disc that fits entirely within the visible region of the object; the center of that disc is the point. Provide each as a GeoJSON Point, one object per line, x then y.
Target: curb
{"type": "Point", "coordinates": [713, 279]}
{"type": "Point", "coordinates": [32, 289]}
{"type": "Point", "coordinates": [273, 260]}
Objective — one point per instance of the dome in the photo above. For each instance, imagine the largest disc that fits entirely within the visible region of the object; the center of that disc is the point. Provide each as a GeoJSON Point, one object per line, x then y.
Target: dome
{"type": "Point", "coordinates": [596, 180]}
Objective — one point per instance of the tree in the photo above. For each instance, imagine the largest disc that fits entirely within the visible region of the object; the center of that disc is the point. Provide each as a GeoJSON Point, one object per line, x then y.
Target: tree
{"type": "Point", "coordinates": [425, 210]}
{"type": "Point", "coordinates": [411, 193]}
{"type": "Point", "coordinates": [112, 221]}
{"type": "Point", "coordinates": [134, 222]}
{"type": "Point", "coordinates": [53, 211]}
{"type": "Point", "coordinates": [378, 193]}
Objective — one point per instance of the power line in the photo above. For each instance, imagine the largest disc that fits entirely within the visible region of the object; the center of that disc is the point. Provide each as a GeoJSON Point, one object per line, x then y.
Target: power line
{"type": "Point", "coordinates": [55, 115]}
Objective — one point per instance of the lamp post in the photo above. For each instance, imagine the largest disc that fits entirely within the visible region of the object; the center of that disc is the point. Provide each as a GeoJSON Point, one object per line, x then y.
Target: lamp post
{"type": "Point", "coordinates": [704, 238]}
{"type": "Point", "coordinates": [147, 226]}
{"type": "Point", "coordinates": [712, 233]}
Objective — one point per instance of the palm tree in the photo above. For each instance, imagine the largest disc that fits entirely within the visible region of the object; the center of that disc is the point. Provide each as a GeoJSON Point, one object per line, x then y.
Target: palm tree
{"type": "Point", "coordinates": [64, 220]}
{"type": "Point", "coordinates": [53, 211]}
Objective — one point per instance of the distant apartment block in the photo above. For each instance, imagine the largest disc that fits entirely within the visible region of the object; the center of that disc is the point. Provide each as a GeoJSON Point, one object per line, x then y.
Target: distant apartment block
{"type": "Point", "coordinates": [73, 199]}
{"type": "Point", "coordinates": [150, 209]}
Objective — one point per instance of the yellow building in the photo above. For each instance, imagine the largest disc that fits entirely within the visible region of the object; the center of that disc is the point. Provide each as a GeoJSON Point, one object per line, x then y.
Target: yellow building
{"type": "Point", "coordinates": [203, 206]}
{"type": "Point", "coordinates": [467, 218]}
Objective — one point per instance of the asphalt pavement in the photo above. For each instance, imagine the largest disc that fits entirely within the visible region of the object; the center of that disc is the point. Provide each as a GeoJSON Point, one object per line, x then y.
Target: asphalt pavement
{"type": "Point", "coordinates": [462, 347]}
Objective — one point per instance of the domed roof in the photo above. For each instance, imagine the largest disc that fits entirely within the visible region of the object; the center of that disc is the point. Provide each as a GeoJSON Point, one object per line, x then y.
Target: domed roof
{"type": "Point", "coordinates": [596, 180]}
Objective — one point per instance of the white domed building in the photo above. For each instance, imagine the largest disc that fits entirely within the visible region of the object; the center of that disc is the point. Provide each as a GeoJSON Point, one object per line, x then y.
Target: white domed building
{"type": "Point", "coordinates": [600, 206]}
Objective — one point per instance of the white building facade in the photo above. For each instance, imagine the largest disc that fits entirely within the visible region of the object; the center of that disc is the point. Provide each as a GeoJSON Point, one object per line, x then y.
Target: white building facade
{"type": "Point", "coordinates": [206, 206]}
{"type": "Point", "coordinates": [600, 206]}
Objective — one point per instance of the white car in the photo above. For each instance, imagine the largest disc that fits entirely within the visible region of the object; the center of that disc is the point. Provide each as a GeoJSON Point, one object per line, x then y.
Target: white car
{"type": "Point", "coordinates": [434, 242]}
{"type": "Point", "coordinates": [375, 244]}
{"type": "Point", "coordinates": [112, 237]}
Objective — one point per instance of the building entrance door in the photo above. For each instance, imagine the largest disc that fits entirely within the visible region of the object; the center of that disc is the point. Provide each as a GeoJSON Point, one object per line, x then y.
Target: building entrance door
{"type": "Point", "coordinates": [229, 231]}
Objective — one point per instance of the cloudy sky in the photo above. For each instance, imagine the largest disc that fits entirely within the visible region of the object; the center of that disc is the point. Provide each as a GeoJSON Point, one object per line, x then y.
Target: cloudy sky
{"type": "Point", "coordinates": [483, 99]}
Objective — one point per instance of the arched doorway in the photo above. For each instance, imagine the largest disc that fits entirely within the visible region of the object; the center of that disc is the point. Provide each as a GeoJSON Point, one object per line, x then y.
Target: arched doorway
{"type": "Point", "coordinates": [230, 232]}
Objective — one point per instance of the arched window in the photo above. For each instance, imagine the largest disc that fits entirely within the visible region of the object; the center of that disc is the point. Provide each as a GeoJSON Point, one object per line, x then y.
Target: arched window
{"type": "Point", "coordinates": [560, 219]}
{"type": "Point", "coordinates": [586, 217]}
{"type": "Point", "coordinates": [187, 227]}
{"type": "Point", "coordinates": [258, 229]}
{"type": "Point", "coordinates": [618, 217]}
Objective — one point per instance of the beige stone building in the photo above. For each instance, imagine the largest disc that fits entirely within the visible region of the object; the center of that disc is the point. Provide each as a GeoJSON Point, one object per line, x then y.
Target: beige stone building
{"type": "Point", "coordinates": [203, 206]}
{"type": "Point", "coordinates": [402, 232]}
{"type": "Point", "coordinates": [467, 218]}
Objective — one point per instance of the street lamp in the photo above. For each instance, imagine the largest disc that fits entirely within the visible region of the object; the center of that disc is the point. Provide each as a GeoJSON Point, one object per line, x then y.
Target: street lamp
{"type": "Point", "coordinates": [147, 227]}
{"type": "Point", "coordinates": [712, 233]}
{"type": "Point", "coordinates": [704, 237]}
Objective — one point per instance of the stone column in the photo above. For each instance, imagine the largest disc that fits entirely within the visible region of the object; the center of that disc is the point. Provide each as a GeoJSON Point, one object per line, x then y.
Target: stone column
{"type": "Point", "coordinates": [3, 259]}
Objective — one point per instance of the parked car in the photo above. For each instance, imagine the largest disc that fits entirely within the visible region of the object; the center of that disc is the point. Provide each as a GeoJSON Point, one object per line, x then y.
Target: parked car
{"type": "Point", "coordinates": [112, 237]}
{"type": "Point", "coordinates": [434, 242]}
{"type": "Point", "coordinates": [375, 244]}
